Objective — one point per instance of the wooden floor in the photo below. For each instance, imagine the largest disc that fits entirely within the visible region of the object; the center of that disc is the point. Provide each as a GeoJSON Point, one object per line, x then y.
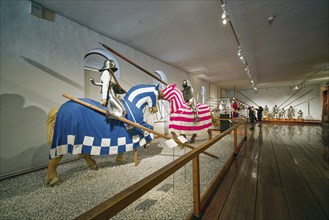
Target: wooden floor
{"type": "Point", "coordinates": [280, 173]}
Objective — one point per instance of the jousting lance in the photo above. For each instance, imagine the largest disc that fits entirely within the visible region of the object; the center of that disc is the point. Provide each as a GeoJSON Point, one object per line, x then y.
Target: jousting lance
{"type": "Point", "coordinates": [134, 64]}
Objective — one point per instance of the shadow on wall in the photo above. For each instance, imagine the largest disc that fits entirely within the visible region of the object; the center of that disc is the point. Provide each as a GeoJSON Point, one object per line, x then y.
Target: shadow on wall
{"type": "Point", "coordinates": [52, 73]}
{"type": "Point", "coordinates": [23, 143]}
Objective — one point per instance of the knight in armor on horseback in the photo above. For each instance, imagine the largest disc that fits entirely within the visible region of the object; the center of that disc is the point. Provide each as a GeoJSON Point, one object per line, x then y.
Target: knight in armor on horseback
{"type": "Point", "coordinates": [189, 99]}
{"type": "Point", "coordinates": [110, 90]}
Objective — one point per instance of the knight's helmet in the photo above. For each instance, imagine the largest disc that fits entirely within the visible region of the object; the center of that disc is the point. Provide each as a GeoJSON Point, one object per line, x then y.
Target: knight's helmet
{"type": "Point", "coordinates": [109, 64]}
{"type": "Point", "coordinates": [186, 83]}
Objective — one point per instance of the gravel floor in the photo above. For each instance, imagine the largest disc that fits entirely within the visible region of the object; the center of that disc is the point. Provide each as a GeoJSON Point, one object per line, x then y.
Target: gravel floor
{"type": "Point", "coordinates": [27, 197]}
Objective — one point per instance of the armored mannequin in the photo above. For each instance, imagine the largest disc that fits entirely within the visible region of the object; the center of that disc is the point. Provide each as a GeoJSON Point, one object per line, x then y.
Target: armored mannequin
{"type": "Point", "coordinates": [275, 111]}
{"type": "Point", "coordinates": [266, 111]}
{"type": "Point", "coordinates": [291, 112]}
{"type": "Point", "coordinates": [282, 114]}
{"type": "Point", "coordinates": [300, 114]}
{"type": "Point", "coordinates": [110, 89]}
{"type": "Point", "coordinates": [189, 99]}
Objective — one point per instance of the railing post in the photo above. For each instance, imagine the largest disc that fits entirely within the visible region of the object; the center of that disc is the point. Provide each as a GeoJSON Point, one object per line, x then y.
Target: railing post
{"type": "Point", "coordinates": [196, 187]}
{"type": "Point", "coordinates": [235, 142]}
{"type": "Point", "coordinates": [246, 129]}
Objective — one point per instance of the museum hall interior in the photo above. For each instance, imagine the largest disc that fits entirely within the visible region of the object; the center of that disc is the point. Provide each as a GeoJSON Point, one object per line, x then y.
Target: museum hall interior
{"type": "Point", "coordinates": [164, 109]}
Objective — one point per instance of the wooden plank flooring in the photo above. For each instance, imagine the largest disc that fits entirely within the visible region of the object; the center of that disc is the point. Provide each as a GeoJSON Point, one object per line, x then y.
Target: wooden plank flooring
{"type": "Point", "coordinates": [280, 173]}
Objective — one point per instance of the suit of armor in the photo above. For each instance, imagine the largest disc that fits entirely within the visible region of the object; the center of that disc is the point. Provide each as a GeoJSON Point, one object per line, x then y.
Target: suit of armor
{"type": "Point", "coordinates": [282, 113]}
{"type": "Point", "coordinates": [275, 112]}
{"type": "Point", "coordinates": [266, 111]}
{"type": "Point", "coordinates": [291, 112]}
{"type": "Point", "coordinates": [189, 99]}
{"type": "Point", "coordinates": [110, 89]}
{"type": "Point", "coordinates": [300, 114]}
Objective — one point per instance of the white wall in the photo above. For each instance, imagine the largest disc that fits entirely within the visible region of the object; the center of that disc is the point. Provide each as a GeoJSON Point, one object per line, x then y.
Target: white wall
{"type": "Point", "coordinates": [197, 85]}
{"type": "Point", "coordinates": [41, 60]}
{"type": "Point", "coordinates": [222, 93]}
{"type": "Point", "coordinates": [213, 91]}
{"type": "Point", "coordinates": [308, 99]}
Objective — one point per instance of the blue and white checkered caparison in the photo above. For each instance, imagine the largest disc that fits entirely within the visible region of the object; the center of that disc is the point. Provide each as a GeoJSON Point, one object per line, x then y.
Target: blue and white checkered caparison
{"type": "Point", "coordinates": [104, 149]}
{"type": "Point", "coordinates": [79, 129]}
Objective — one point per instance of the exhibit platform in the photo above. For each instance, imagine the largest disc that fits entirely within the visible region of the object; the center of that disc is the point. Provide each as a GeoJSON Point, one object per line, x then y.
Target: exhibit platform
{"type": "Point", "coordinates": [293, 121]}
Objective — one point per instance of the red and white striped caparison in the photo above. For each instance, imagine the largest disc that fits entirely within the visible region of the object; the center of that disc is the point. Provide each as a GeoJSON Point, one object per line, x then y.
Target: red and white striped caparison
{"type": "Point", "coordinates": [181, 115]}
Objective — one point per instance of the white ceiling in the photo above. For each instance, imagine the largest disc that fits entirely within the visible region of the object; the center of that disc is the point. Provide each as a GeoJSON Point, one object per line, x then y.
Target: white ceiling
{"type": "Point", "coordinates": [190, 36]}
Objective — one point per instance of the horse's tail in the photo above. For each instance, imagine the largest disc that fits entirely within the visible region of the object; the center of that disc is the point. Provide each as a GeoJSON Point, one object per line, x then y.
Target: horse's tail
{"type": "Point", "coordinates": [51, 119]}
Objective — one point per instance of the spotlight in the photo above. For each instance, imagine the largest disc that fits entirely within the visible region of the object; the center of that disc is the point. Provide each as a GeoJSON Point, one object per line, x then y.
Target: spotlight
{"type": "Point", "coordinates": [224, 8]}
{"type": "Point", "coordinates": [225, 16]}
{"type": "Point", "coordinates": [240, 52]}
{"type": "Point", "coordinates": [270, 19]}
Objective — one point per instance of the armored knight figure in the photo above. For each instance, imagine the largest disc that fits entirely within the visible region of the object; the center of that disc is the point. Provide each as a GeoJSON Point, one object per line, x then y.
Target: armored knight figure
{"type": "Point", "coordinates": [110, 89]}
{"type": "Point", "coordinates": [282, 114]}
{"type": "Point", "coordinates": [275, 111]}
{"type": "Point", "coordinates": [189, 99]}
{"type": "Point", "coordinates": [300, 114]}
{"type": "Point", "coordinates": [291, 112]}
{"type": "Point", "coordinates": [266, 112]}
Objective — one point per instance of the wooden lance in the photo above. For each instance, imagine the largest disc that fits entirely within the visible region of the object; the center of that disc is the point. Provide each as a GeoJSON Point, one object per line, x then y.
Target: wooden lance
{"type": "Point", "coordinates": [132, 123]}
{"type": "Point", "coordinates": [134, 64]}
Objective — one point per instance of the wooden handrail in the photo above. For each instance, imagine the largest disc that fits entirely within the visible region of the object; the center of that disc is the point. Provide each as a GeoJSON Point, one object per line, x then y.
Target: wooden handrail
{"type": "Point", "coordinates": [118, 202]}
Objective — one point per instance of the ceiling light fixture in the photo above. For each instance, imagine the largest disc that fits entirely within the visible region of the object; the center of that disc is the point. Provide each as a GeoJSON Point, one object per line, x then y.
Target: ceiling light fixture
{"type": "Point", "coordinates": [226, 19]}
{"type": "Point", "coordinates": [270, 19]}
{"type": "Point", "coordinates": [225, 15]}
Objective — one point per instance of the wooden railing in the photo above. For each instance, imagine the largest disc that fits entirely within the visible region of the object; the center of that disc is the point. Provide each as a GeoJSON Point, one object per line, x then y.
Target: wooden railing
{"type": "Point", "coordinates": [120, 201]}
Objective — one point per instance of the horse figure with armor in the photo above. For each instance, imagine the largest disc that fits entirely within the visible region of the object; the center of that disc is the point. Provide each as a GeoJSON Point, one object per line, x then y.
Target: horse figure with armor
{"type": "Point", "coordinates": [182, 116]}
{"type": "Point", "coordinates": [77, 129]}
